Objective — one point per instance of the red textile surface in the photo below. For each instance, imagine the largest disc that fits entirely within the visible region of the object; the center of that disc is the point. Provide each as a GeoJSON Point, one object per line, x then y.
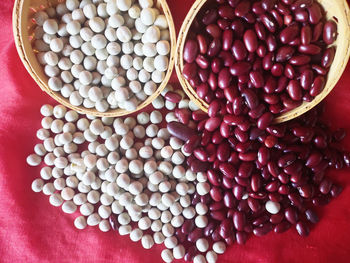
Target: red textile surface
{"type": "Point", "coordinates": [31, 230]}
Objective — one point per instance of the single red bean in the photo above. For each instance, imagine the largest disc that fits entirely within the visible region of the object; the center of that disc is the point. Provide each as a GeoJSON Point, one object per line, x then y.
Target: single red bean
{"type": "Point", "coordinates": [271, 43]}
{"type": "Point", "coordinates": [277, 17]}
{"type": "Point", "coordinates": [180, 236]}
{"type": "Point", "coordinates": [306, 35]}
{"type": "Point", "coordinates": [306, 79]}
{"type": "Point", "coordinates": [251, 98]}
{"type": "Point", "coordinates": [291, 215]}
{"type": "Point", "coordinates": [224, 78]}
{"type": "Point", "coordinates": [229, 200]}
{"type": "Point", "coordinates": [310, 49]}
{"type": "Point", "coordinates": [277, 218]}
{"type": "Point", "coordinates": [196, 234]}
{"type": "Point", "coordinates": [302, 229]}
{"type": "Point", "coordinates": [257, 8]}
{"type": "Point", "coordinates": [203, 74]}
{"type": "Point", "coordinates": [317, 86]}
{"type": "Point", "coordinates": [265, 120]}
{"type": "Point", "coordinates": [263, 155]}
{"type": "Point", "coordinates": [330, 32]}
{"type": "Point", "coordinates": [301, 4]}
{"type": "Point", "coordinates": [314, 159]}
{"type": "Point", "coordinates": [238, 28]}
{"type": "Point", "coordinates": [245, 169]}
{"type": "Point", "coordinates": [260, 30]}
{"type": "Point", "coordinates": [268, 4]}
{"type": "Point", "coordinates": [239, 220]}
{"type": "Point", "coordinates": [209, 229]}
{"type": "Point", "coordinates": [202, 62]}
{"type": "Point", "coordinates": [242, 8]}
{"type": "Point", "coordinates": [282, 227]}
{"type": "Point", "coordinates": [216, 235]}
{"type": "Point", "coordinates": [270, 141]}
{"type": "Point", "coordinates": [288, 19]}
{"type": "Point", "coordinates": [317, 32]}
{"type": "Point", "coordinates": [311, 216]}
{"type": "Point", "coordinates": [254, 204]}
{"type": "Point", "coordinates": [301, 15]}
{"type": "Point", "coordinates": [202, 44]}
{"type": "Point", "coordinates": [284, 53]}
{"type": "Point", "coordinates": [239, 50]}
{"type": "Point", "coordinates": [257, 112]}
{"type": "Point", "coordinates": [189, 71]}
{"type": "Point", "coordinates": [227, 39]}
{"type": "Point", "coordinates": [325, 186]}
{"type": "Point", "coordinates": [198, 166]}
{"type": "Point", "coordinates": [263, 230]}
{"type": "Point", "coordinates": [315, 13]}
{"type": "Point", "coordinates": [214, 47]}
{"type": "Point", "coordinates": [268, 61]}
{"type": "Point", "coordinates": [238, 191]}
{"type": "Point", "coordinates": [277, 70]}
{"type": "Point", "coordinates": [257, 79]}
{"type": "Point", "coordinates": [200, 154]}
{"type": "Point", "coordinates": [113, 222]}
{"type": "Point", "coordinates": [228, 170]}
{"type": "Point", "coordinates": [226, 11]}
{"type": "Point", "coordinates": [294, 90]}
{"type": "Point", "coordinates": [173, 97]}
{"type": "Point", "coordinates": [250, 40]}
{"type": "Point", "coordinates": [190, 51]}
{"type": "Point", "coordinates": [328, 57]}
{"type": "Point", "coordinates": [289, 71]}
{"type": "Point", "coordinates": [289, 33]}
{"type": "Point", "coordinates": [241, 237]}
{"type": "Point", "coordinates": [335, 191]}
{"type": "Point", "coordinates": [216, 194]}
{"type": "Point", "coordinates": [282, 8]}
{"type": "Point", "coordinates": [224, 23]}
{"type": "Point", "coordinates": [269, 22]}
{"type": "Point", "coordinates": [187, 226]}
{"type": "Point", "coordinates": [300, 60]}
{"type": "Point", "coordinates": [212, 124]}
{"type": "Point", "coordinates": [214, 30]}
{"type": "Point", "coordinates": [261, 51]}
{"type": "Point", "coordinates": [223, 152]}
{"type": "Point", "coordinates": [180, 130]}
{"type": "Point", "coordinates": [233, 120]}
{"type": "Point", "coordinates": [210, 16]}
{"type": "Point", "coordinates": [240, 68]}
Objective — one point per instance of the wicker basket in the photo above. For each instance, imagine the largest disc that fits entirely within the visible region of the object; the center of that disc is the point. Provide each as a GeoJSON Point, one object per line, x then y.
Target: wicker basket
{"type": "Point", "coordinates": [23, 27]}
{"type": "Point", "coordinates": [337, 9]}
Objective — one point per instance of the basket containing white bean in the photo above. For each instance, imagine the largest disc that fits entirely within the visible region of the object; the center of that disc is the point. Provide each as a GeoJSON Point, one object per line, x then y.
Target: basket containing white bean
{"type": "Point", "coordinates": [103, 58]}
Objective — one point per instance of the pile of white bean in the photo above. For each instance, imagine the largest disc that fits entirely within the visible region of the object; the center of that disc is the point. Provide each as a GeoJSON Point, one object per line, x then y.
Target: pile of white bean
{"type": "Point", "coordinates": [129, 169]}
{"type": "Point", "coordinates": [103, 54]}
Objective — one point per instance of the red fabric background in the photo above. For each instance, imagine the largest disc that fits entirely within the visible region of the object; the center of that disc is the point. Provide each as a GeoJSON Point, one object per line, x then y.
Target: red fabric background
{"type": "Point", "coordinates": [31, 230]}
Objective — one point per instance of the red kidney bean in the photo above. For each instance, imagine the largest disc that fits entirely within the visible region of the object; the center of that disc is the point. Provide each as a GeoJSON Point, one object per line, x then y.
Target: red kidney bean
{"type": "Point", "coordinates": [301, 15]}
{"type": "Point", "coordinates": [224, 78]}
{"type": "Point", "coordinates": [254, 204]}
{"type": "Point", "coordinates": [251, 98]}
{"type": "Point", "coordinates": [210, 16]}
{"type": "Point", "coordinates": [212, 124]}
{"type": "Point", "coordinates": [277, 17]}
{"type": "Point", "coordinates": [310, 49]}
{"type": "Point", "coordinates": [226, 11]}
{"type": "Point", "coordinates": [300, 60]}
{"type": "Point", "coordinates": [289, 33]}
{"type": "Point", "coordinates": [302, 229]}
{"type": "Point", "coordinates": [250, 40]}
{"type": "Point", "coordinates": [306, 79]}
{"type": "Point", "coordinates": [216, 194]}
{"type": "Point", "coordinates": [271, 43]}
{"type": "Point", "coordinates": [315, 13]}
{"type": "Point", "coordinates": [317, 86]}
{"type": "Point", "coordinates": [113, 222]}
{"type": "Point", "coordinates": [173, 97]}
{"type": "Point", "coordinates": [301, 4]}
{"type": "Point", "coordinates": [306, 35]}
{"type": "Point", "coordinates": [240, 68]}
{"type": "Point", "coordinates": [223, 152]}
{"type": "Point", "coordinates": [269, 22]}
{"type": "Point", "coordinates": [328, 57]}
{"type": "Point", "coordinates": [260, 30]}
{"type": "Point", "coordinates": [202, 44]}
{"type": "Point", "coordinates": [294, 90]}
{"type": "Point", "coordinates": [325, 186]}
{"type": "Point", "coordinates": [277, 70]}
{"type": "Point", "coordinates": [265, 120]}
{"type": "Point", "coordinates": [200, 154]}
{"type": "Point", "coordinates": [311, 216]}
{"type": "Point", "coordinates": [239, 220]}
{"type": "Point", "coordinates": [268, 4]}
{"type": "Point", "coordinates": [291, 215]}
{"type": "Point", "coordinates": [284, 53]}
{"type": "Point", "coordinates": [282, 227]}
{"type": "Point", "coordinates": [317, 32]}
{"type": "Point", "coordinates": [189, 71]}
{"type": "Point", "coordinates": [190, 51]}
{"type": "Point", "coordinates": [257, 8]}
{"type": "Point", "coordinates": [257, 79]}
{"type": "Point", "coordinates": [329, 32]}
{"type": "Point", "coordinates": [214, 30]}
{"type": "Point", "coordinates": [187, 226]}
{"type": "Point", "coordinates": [228, 170]}
{"type": "Point", "coordinates": [227, 39]}
{"type": "Point", "coordinates": [289, 71]}
{"type": "Point", "coordinates": [202, 62]}
{"type": "Point", "coordinates": [239, 50]}
{"type": "Point", "coordinates": [241, 237]}
{"type": "Point", "coordinates": [277, 218]}
{"type": "Point", "coordinates": [245, 169]}
{"type": "Point", "coordinates": [180, 130]}
{"type": "Point", "coordinates": [242, 8]}
{"type": "Point", "coordinates": [214, 47]}
{"type": "Point", "coordinates": [198, 166]}
{"type": "Point", "coordinates": [263, 230]}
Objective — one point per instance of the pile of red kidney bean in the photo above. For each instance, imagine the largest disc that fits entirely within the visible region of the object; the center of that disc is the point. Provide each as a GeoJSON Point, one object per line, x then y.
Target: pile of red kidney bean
{"type": "Point", "coordinates": [247, 166]}
{"type": "Point", "coordinates": [251, 60]}
{"type": "Point", "coordinates": [274, 53]}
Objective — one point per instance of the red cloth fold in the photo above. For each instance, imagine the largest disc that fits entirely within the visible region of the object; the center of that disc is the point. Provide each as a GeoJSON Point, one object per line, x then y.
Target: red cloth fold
{"type": "Point", "coordinates": [31, 230]}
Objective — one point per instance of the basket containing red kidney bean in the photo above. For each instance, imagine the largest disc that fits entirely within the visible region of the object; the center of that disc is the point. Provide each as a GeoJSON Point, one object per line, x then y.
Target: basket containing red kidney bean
{"type": "Point", "coordinates": [276, 56]}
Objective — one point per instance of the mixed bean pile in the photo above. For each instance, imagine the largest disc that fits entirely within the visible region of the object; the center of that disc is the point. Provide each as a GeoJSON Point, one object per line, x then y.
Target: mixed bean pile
{"type": "Point", "coordinates": [199, 182]}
